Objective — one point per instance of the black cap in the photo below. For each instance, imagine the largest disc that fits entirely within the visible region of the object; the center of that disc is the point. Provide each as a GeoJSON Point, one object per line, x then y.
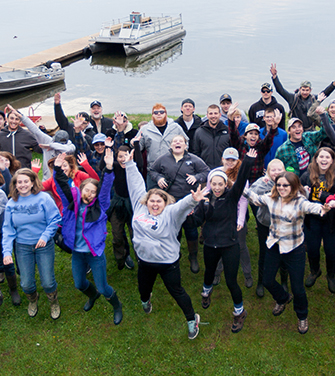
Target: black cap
{"type": "Point", "coordinates": [225, 97]}
{"type": "Point", "coordinates": [188, 100]}
{"type": "Point", "coordinates": [95, 103]}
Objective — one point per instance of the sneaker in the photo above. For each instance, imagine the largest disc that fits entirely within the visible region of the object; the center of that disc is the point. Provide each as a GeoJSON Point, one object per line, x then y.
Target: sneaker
{"type": "Point", "coordinates": [129, 262]}
{"type": "Point", "coordinates": [193, 327]}
{"type": "Point", "coordinates": [310, 280]}
{"type": "Point", "coordinates": [206, 299]}
{"type": "Point", "coordinates": [217, 280]}
{"type": "Point", "coordinates": [147, 306]}
{"type": "Point", "coordinates": [248, 282]}
{"type": "Point", "coordinates": [303, 326]}
{"type": "Point", "coordinates": [238, 322]}
{"type": "Point", "coordinates": [260, 290]}
{"type": "Point", "coordinates": [280, 308]}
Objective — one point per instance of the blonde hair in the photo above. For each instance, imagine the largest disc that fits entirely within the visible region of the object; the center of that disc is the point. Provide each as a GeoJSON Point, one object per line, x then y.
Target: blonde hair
{"type": "Point", "coordinates": [274, 161]}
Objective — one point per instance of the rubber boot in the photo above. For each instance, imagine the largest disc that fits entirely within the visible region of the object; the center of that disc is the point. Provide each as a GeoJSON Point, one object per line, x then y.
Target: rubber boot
{"type": "Point", "coordinates": [260, 287]}
{"type": "Point", "coordinates": [331, 275]}
{"type": "Point", "coordinates": [314, 264]}
{"type": "Point", "coordinates": [193, 253]}
{"type": "Point", "coordinates": [93, 294]}
{"type": "Point", "coordinates": [32, 307]}
{"type": "Point", "coordinates": [283, 278]}
{"type": "Point", "coordinates": [12, 283]}
{"type": "Point", "coordinates": [1, 298]}
{"type": "Point", "coordinates": [54, 305]}
{"type": "Point", "coordinates": [115, 302]}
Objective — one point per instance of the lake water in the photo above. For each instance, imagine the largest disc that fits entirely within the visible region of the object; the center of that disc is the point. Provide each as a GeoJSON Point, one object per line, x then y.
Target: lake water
{"type": "Point", "coordinates": [229, 47]}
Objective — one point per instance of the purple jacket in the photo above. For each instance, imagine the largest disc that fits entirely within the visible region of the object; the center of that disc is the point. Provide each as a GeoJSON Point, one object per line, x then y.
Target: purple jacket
{"type": "Point", "coordinates": [94, 216]}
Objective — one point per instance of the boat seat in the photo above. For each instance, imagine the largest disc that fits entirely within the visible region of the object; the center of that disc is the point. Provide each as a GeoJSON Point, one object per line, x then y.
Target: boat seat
{"type": "Point", "coordinates": [145, 20]}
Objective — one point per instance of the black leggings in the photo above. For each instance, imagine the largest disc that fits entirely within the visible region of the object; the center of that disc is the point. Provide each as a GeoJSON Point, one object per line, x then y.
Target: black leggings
{"type": "Point", "coordinates": [231, 260]}
{"type": "Point", "coordinates": [170, 274]}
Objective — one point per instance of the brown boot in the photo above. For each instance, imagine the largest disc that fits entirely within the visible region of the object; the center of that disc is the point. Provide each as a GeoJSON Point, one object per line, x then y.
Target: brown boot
{"type": "Point", "coordinates": [32, 307]}
{"type": "Point", "coordinates": [54, 305]}
{"type": "Point", "coordinates": [12, 283]}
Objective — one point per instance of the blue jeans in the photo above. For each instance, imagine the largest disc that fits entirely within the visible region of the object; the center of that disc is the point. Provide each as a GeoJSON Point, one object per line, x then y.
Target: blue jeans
{"type": "Point", "coordinates": [295, 264]}
{"type": "Point", "coordinates": [9, 269]}
{"type": "Point", "coordinates": [27, 256]}
{"type": "Point", "coordinates": [80, 261]}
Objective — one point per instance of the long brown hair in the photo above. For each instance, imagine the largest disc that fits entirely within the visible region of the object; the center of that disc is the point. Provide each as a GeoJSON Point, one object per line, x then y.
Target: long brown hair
{"type": "Point", "coordinates": [233, 172]}
{"type": "Point", "coordinates": [14, 164]}
{"type": "Point", "coordinates": [295, 185]}
{"type": "Point", "coordinates": [37, 185]}
{"type": "Point", "coordinates": [314, 173]}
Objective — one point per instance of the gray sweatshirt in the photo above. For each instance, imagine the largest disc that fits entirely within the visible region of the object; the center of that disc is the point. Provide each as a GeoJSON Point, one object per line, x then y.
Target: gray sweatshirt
{"type": "Point", "coordinates": [155, 237]}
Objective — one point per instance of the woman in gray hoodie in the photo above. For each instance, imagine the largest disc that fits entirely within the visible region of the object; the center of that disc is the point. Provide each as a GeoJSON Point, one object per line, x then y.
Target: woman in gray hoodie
{"type": "Point", "coordinates": [156, 223]}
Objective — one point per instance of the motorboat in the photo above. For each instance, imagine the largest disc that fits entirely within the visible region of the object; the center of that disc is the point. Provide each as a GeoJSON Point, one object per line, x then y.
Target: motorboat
{"type": "Point", "coordinates": [24, 79]}
{"type": "Point", "coordinates": [138, 33]}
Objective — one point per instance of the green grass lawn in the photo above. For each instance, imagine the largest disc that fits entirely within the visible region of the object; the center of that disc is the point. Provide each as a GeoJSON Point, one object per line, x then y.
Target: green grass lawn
{"type": "Point", "coordinates": [81, 343]}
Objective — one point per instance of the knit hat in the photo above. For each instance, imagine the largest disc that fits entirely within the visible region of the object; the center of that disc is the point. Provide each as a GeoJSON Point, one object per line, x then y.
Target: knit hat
{"type": "Point", "coordinates": [217, 172]}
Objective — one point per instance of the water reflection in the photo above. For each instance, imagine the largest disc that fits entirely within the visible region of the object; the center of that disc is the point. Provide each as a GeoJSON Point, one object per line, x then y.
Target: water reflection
{"type": "Point", "coordinates": [27, 98]}
{"type": "Point", "coordinates": [143, 64]}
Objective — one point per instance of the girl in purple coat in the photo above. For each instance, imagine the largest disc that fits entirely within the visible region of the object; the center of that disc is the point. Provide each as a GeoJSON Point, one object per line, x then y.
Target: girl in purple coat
{"type": "Point", "coordinates": [84, 231]}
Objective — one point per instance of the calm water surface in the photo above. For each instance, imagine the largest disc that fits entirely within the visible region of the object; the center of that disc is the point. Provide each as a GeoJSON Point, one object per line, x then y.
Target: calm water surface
{"type": "Point", "coordinates": [228, 48]}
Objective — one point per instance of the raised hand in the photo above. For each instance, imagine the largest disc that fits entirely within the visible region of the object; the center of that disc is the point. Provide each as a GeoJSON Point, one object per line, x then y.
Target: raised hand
{"type": "Point", "coordinates": [320, 110]}
{"type": "Point", "coordinates": [118, 118]}
{"type": "Point", "coordinates": [321, 97]}
{"type": "Point", "coordinates": [277, 118]}
{"type": "Point", "coordinates": [109, 142]}
{"type": "Point", "coordinates": [15, 112]}
{"type": "Point", "coordinates": [129, 156]}
{"type": "Point", "coordinates": [273, 70]}
{"type": "Point", "coordinates": [199, 194]}
{"type": "Point", "coordinates": [252, 153]}
{"type": "Point", "coordinates": [109, 158]}
{"type": "Point", "coordinates": [60, 159]}
{"type": "Point", "coordinates": [231, 110]}
{"type": "Point", "coordinates": [81, 158]}
{"type": "Point", "coordinates": [78, 123]}
{"type": "Point", "coordinates": [36, 163]}
{"type": "Point", "coordinates": [57, 98]}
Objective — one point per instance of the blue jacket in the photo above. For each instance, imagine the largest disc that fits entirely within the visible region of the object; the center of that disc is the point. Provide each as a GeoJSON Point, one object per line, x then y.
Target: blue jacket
{"type": "Point", "coordinates": [94, 216]}
{"type": "Point", "coordinates": [279, 138]}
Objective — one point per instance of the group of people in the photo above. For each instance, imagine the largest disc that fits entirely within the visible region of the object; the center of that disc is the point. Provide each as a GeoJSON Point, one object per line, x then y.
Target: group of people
{"type": "Point", "coordinates": [170, 175]}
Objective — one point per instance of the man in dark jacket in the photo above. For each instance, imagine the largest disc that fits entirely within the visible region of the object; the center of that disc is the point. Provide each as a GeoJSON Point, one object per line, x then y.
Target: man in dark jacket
{"type": "Point", "coordinates": [100, 123]}
{"type": "Point", "coordinates": [67, 126]}
{"type": "Point", "coordinates": [256, 110]}
{"type": "Point", "coordinates": [189, 121]}
{"type": "Point", "coordinates": [18, 141]}
{"type": "Point", "coordinates": [212, 138]}
{"type": "Point", "coordinates": [301, 101]}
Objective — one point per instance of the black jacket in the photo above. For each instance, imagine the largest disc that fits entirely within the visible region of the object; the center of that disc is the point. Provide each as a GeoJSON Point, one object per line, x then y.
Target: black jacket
{"type": "Point", "coordinates": [209, 143]}
{"type": "Point", "coordinates": [220, 229]}
{"type": "Point", "coordinates": [298, 105]}
{"type": "Point", "coordinates": [106, 124]}
{"type": "Point", "coordinates": [190, 132]}
{"type": "Point", "coordinates": [256, 112]}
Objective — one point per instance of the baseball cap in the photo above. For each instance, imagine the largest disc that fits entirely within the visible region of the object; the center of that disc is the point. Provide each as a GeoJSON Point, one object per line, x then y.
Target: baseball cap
{"type": "Point", "coordinates": [62, 137]}
{"type": "Point", "coordinates": [188, 100]}
{"type": "Point", "coordinates": [95, 103]}
{"type": "Point", "coordinates": [225, 97]}
{"type": "Point", "coordinates": [306, 84]}
{"type": "Point", "coordinates": [99, 137]}
{"type": "Point", "coordinates": [292, 121]}
{"type": "Point", "coordinates": [230, 153]}
{"type": "Point", "coordinates": [266, 85]}
{"type": "Point", "coordinates": [252, 127]}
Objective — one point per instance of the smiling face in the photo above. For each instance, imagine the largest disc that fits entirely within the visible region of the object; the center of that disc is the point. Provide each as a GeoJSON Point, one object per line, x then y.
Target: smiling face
{"type": "Point", "coordinates": [218, 185]}
{"type": "Point", "coordinates": [274, 170]}
{"type": "Point", "coordinates": [96, 112]}
{"type": "Point", "coordinates": [324, 160]}
{"type": "Point", "coordinates": [266, 94]}
{"type": "Point", "coordinates": [13, 122]}
{"type": "Point", "coordinates": [187, 109]}
{"type": "Point", "coordinates": [305, 91]}
{"type": "Point", "coordinates": [155, 204]}
{"type": "Point", "coordinates": [159, 117]}
{"type": "Point", "coordinates": [66, 168]}
{"type": "Point", "coordinates": [121, 158]}
{"type": "Point", "coordinates": [252, 138]}
{"type": "Point", "coordinates": [88, 193]}
{"type": "Point", "coordinates": [283, 187]}
{"type": "Point", "coordinates": [229, 163]}
{"type": "Point", "coordinates": [269, 118]}
{"type": "Point", "coordinates": [178, 145]}
{"type": "Point", "coordinates": [7, 162]}
{"type": "Point", "coordinates": [2, 121]}
{"type": "Point", "coordinates": [213, 115]}
{"type": "Point", "coordinates": [295, 132]}
{"type": "Point", "coordinates": [331, 111]}
{"type": "Point", "coordinates": [24, 185]}
{"type": "Point", "coordinates": [99, 147]}
{"type": "Point", "coordinates": [225, 105]}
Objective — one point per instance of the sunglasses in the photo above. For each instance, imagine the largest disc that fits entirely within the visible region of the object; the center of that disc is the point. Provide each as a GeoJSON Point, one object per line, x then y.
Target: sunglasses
{"type": "Point", "coordinates": [282, 185]}
{"type": "Point", "coordinates": [266, 91]}
{"type": "Point", "coordinates": [161, 112]}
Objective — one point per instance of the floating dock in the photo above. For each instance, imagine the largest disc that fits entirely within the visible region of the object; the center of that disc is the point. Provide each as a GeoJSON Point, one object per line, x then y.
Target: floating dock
{"type": "Point", "coordinates": [59, 54]}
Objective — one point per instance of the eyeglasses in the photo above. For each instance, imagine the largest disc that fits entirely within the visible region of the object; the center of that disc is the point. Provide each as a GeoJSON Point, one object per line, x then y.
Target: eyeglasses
{"type": "Point", "coordinates": [161, 112]}
{"type": "Point", "coordinates": [282, 185]}
{"type": "Point", "coordinates": [266, 91]}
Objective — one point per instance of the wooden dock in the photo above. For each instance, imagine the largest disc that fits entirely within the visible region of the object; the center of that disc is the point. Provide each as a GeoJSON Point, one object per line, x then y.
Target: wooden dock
{"type": "Point", "coordinates": [59, 54]}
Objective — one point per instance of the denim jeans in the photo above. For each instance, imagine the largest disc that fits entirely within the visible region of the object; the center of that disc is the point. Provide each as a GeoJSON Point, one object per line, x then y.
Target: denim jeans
{"type": "Point", "coordinates": [27, 256]}
{"type": "Point", "coordinates": [295, 264]}
{"type": "Point", "coordinates": [80, 261]}
{"type": "Point", "coordinates": [170, 274]}
{"type": "Point", "coordinates": [9, 269]}
{"type": "Point", "coordinates": [231, 260]}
